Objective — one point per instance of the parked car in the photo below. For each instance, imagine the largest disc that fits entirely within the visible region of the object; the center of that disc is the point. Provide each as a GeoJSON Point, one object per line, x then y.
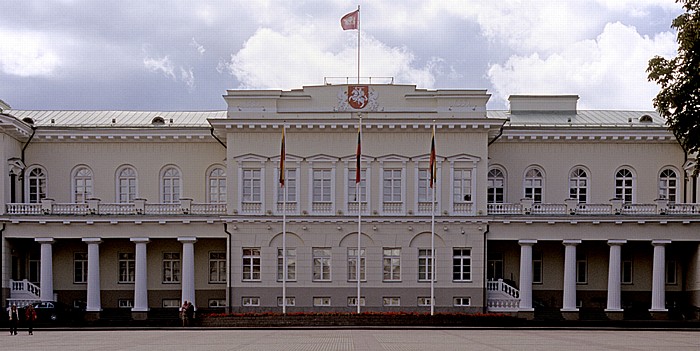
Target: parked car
{"type": "Point", "coordinates": [53, 311]}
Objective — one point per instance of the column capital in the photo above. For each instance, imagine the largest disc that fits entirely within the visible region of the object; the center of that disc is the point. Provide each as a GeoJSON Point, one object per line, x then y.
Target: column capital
{"type": "Point", "coordinates": [92, 240]}
{"type": "Point", "coordinates": [613, 242]}
{"type": "Point", "coordinates": [527, 242]}
{"type": "Point", "coordinates": [661, 242]}
{"type": "Point", "coordinates": [571, 242]}
{"type": "Point", "coordinates": [187, 239]}
{"type": "Point", "coordinates": [45, 240]}
{"type": "Point", "coordinates": [140, 240]}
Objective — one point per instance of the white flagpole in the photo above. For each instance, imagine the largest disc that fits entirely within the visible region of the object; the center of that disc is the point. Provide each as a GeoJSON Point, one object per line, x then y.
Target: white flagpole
{"type": "Point", "coordinates": [432, 240]}
{"type": "Point", "coordinates": [284, 230]}
{"type": "Point", "coordinates": [358, 191]}
{"type": "Point", "coordinates": [358, 45]}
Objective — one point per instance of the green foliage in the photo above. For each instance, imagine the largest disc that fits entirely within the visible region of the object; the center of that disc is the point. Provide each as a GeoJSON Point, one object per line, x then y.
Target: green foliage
{"type": "Point", "coordinates": [679, 78]}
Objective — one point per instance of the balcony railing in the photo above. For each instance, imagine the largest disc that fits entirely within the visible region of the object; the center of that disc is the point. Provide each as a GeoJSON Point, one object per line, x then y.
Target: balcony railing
{"type": "Point", "coordinates": [95, 207]}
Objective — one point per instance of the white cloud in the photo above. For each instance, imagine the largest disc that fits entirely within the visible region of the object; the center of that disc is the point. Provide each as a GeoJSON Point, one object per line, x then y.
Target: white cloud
{"type": "Point", "coordinates": [200, 48]}
{"type": "Point", "coordinates": [608, 72]}
{"type": "Point", "coordinates": [303, 56]}
{"type": "Point", "coordinates": [187, 76]}
{"type": "Point", "coordinates": [27, 54]}
{"type": "Point", "coordinates": [164, 65]}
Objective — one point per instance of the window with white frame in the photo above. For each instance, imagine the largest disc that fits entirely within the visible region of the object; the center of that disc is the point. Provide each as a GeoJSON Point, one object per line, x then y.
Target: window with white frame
{"type": "Point", "coordinates": [496, 186]}
{"type": "Point", "coordinates": [462, 186]}
{"type": "Point", "coordinates": [250, 301]}
{"type": "Point", "coordinates": [217, 186]}
{"type": "Point", "coordinates": [170, 186]}
{"type": "Point", "coordinates": [624, 185]}
{"type": "Point", "coordinates": [391, 259]}
{"type": "Point", "coordinates": [36, 180]}
{"type": "Point", "coordinates": [534, 185]}
{"type": "Point", "coordinates": [352, 301]}
{"type": "Point", "coordinates": [352, 264]}
{"type": "Point", "coordinates": [461, 264]}
{"type": "Point", "coordinates": [425, 192]}
{"type": "Point", "coordinates": [251, 264]}
{"type": "Point", "coordinates": [668, 185]}
{"type": "Point", "coordinates": [322, 301]}
{"type": "Point", "coordinates": [291, 264]}
{"type": "Point", "coordinates": [217, 303]}
{"type": "Point", "coordinates": [82, 185]}
{"type": "Point", "coordinates": [423, 301]}
{"type": "Point", "coordinates": [322, 185]}
{"type": "Point", "coordinates": [352, 185]}
{"type": "Point", "coordinates": [291, 301]}
{"type": "Point", "coordinates": [217, 267]}
{"type": "Point", "coordinates": [671, 272]}
{"type": "Point", "coordinates": [171, 303]}
{"type": "Point", "coordinates": [126, 185]}
{"type": "Point", "coordinates": [321, 264]}
{"type": "Point", "coordinates": [125, 303]}
{"type": "Point", "coordinates": [127, 267]}
{"type": "Point", "coordinates": [171, 267]}
{"type": "Point", "coordinates": [80, 267]}
{"type": "Point", "coordinates": [425, 264]}
{"type": "Point", "coordinates": [578, 185]}
{"type": "Point", "coordinates": [537, 267]}
{"type": "Point", "coordinates": [581, 268]}
{"type": "Point", "coordinates": [290, 186]}
{"type": "Point", "coordinates": [391, 301]}
{"type": "Point", "coordinates": [461, 301]}
{"type": "Point", "coordinates": [391, 188]}
{"type": "Point", "coordinates": [252, 185]}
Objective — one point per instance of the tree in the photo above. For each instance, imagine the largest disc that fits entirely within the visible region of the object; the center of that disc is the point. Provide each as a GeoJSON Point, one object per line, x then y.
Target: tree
{"type": "Point", "coordinates": [679, 78]}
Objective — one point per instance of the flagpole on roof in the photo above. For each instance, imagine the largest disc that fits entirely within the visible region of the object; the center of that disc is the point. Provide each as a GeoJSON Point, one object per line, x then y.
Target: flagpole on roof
{"type": "Point", "coordinates": [358, 192]}
{"type": "Point", "coordinates": [358, 44]}
{"type": "Point", "coordinates": [433, 171]}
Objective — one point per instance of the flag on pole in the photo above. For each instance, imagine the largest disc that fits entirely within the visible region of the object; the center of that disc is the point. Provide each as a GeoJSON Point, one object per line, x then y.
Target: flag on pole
{"type": "Point", "coordinates": [283, 155]}
{"type": "Point", "coordinates": [359, 155]}
{"type": "Point", "coordinates": [433, 163]}
{"type": "Point", "coordinates": [351, 20]}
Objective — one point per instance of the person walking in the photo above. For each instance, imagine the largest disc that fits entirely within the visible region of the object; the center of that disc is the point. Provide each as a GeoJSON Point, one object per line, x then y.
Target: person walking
{"type": "Point", "coordinates": [183, 313]}
{"type": "Point", "coordinates": [30, 317]}
{"type": "Point", "coordinates": [13, 315]}
{"type": "Point", "coordinates": [189, 314]}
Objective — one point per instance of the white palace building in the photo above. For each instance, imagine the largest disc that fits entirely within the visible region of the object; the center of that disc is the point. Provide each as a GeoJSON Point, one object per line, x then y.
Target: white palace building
{"type": "Point", "coordinates": [542, 209]}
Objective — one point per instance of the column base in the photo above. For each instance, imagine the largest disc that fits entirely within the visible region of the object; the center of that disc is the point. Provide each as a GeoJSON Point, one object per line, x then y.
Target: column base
{"type": "Point", "coordinates": [659, 315]}
{"type": "Point", "coordinates": [570, 314]}
{"type": "Point", "coordinates": [92, 316]}
{"type": "Point", "coordinates": [615, 315]}
{"type": "Point", "coordinates": [527, 313]}
{"type": "Point", "coordinates": [139, 315]}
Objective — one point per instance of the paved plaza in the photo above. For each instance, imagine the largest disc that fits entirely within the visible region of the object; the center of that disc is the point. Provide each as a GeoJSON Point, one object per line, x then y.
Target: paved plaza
{"type": "Point", "coordinates": [353, 339]}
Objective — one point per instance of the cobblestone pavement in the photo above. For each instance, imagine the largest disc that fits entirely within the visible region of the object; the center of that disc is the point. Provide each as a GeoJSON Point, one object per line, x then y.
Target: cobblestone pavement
{"type": "Point", "coordinates": [352, 339]}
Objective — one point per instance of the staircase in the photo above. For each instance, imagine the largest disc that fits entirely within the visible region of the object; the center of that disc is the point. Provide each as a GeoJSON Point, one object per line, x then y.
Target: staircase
{"type": "Point", "coordinates": [22, 293]}
{"type": "Point", "coordinates": [502, 297]}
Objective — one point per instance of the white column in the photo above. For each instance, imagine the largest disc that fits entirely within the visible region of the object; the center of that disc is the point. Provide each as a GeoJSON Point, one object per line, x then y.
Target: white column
{"type": "Point", "coordinates": [658, 281]}
{"type": "Point", "coordinates": [93, 272]}
{"type": "Point", "coordinates": [141, 279]}
{"type": "Point", "coordinates": [188, 269]}
{"type": "Point", "coordinates": [526, 274]}
{"type": "Point", "coordinates": [46, 274]}
{"type": "Point", "coordinates": [570, 276]}
{"type": "Point", "coordinates": [614, 269]}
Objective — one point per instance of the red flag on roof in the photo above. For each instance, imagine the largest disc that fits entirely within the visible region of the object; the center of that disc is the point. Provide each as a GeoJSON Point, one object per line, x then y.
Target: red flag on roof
{"type": "Point", "coordinates": [351, 20]}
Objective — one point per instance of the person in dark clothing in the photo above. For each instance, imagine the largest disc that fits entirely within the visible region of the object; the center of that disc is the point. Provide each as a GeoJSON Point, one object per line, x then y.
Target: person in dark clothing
{"type": "Point", "coordinates": [189, 314]}
{"type": "Point", "coordinates": [30, 317]}
{"type": "Point", "coordinates": [13, 315]}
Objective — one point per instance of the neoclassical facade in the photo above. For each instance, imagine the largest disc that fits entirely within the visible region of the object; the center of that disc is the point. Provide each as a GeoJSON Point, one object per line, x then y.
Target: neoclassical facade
{"type": "Point", "coordinates": [543, 210]}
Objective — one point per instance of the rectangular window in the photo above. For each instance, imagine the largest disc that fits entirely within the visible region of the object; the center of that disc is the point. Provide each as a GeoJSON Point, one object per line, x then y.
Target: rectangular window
{"type": "Point", "coordinates": [425, 265]}
{"type": "Point", "coordinates": [171, 267]}
{"type": "Point", "coordinates": [250, 301]}
{"type": "Point", "coordinates": [80, 267]}
{"type": "Point", "coordinates": [290, 186]}
{"type": "Point", "coordinates": [462, 301]}
{"type": "Point", "coordinates": [352, 264]}
{"type": "Point", "coordinates": [171, 303]}
{"type": "Point", "coordinates": [321, 264]}
{"type": "Point", "coordinates": [127, 267]}
{"type": "Point", "coordinates": [34, 269]}
{"type": "Point", "coordinates": [291, 301]}
{"type": "Point", "coordinates": [494, 266]}
{"type": "Point", "coordinates": [425, 192]}
{"type": "Point", "coordinates": [461, 264]}
{"type": "Point", "coordinates": [391, 262]}
{"type": "Point", "coordinates": [251, 264]}
{"type": "Point", "coordinates": [217, 303]}
{"type": "Point", "coordinates": [322, 301]}
{"type": "Point", "coordinates": [423, 301]}
{"type": "Point", "coordinates": [127, 190]}
{"type": "Point", "coordinates": [392, 185]}
{"type": "Point", "coordinates": [462, 186]}
{"type": "Point", "coordinates": [352, 185]}
{"type": "Point", "coordinates": [537, 267]}
{"type": "Point", "coordinates": [581, 268]}
{"type": "Point", "coordinates": [125, 303]}
{"type": "Point", "coordinates": [352, 301]}
{"type": "Point", "coordinates": [322, 185]}
{"type": "Point", "coordinates": [217, 267]}
{"type": "Point", "coordinates": [251, 185]}
{"type": "Point", "coordinates": [627, 271]}
{"type": "Point", "coordinates": [391, 301]}
{"type": "Point", "coordinates": [291, 264]}
{"type": "Point", "coordinates": [671, 270]}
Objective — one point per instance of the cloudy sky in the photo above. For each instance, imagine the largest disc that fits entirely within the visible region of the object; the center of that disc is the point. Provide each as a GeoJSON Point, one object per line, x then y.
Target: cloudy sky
{"type": "Point", "coordinates": [183, 55]}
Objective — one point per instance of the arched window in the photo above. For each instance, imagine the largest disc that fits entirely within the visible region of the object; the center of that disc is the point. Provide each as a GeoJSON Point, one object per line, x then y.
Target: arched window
{"type": "Point", "coordinates": [82, 184]}
{"type": "Point", "coordinates": [534, 185]}
{"type": "Point", "coordinates": [624, 185]}
{"type": "Point", "coordinates": [126, 185]}
{"type": "Point", "coordinates": [36, 184]}
{"type": "Point", "coordinates": [668, 185]}
{"type": "Point", "coordinates": [496, 186]}
{"type": "Point", "coordinates": [217, 185]}
{"type": "Point", "coordinates": [578, 185]}
{"type": "Point", "coordinates": [170, 186]}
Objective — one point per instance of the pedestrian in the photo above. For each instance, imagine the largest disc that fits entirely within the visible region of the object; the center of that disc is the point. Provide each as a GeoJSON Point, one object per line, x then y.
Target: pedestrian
{"type": "Point", "coordinates": [189, 312]}
{"type": "Point", "coordinates": [30, 317]}
{"type": "Point", "coordinates": [13, 314]}
{"type": "Point", "coordinates": [183, 313]}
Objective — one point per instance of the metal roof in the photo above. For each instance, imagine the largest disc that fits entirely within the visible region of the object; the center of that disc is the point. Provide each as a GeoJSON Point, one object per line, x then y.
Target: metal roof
{"type": "Point", "coordinates": [116, 118]}
{"type": "Point", "coordinates": [583, 118]}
